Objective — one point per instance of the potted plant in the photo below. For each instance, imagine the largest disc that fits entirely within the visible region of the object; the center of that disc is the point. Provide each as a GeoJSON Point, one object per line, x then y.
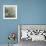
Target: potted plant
{"type": "Point", "coordinates": [11, 37]}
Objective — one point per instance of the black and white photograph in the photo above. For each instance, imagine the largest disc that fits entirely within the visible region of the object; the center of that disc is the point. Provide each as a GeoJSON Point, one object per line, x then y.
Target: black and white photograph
{"type": "Point", "coordinates": [9, 11]}
{"type": "Point", "coordinates": [30, 34]}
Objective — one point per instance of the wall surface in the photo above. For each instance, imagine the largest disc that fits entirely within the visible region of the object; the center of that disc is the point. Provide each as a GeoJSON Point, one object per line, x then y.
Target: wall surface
{"type": "Point", "coordinates": [7, 26]}
{"type": "Point", "coordinates": [33, 12]}
{"type": "Point", "coordinates": [28, 12]}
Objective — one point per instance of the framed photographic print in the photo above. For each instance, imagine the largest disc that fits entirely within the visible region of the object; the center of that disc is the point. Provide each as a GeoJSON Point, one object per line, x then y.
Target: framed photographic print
{"type": "Point", "coordinates": [9, 11]}
{"type": "Point", "coordinates": [31, 32]}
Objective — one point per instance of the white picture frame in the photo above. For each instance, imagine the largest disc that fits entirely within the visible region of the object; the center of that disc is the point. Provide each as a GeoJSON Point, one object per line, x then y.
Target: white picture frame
{"type": "Point", "coordinates": [10, 6]}
{"type": "Point", "coordinates": [32, 27]}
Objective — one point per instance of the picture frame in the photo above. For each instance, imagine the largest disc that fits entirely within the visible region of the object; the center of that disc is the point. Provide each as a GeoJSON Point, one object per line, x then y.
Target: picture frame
{"type": "Point", "coordinates": [9, 11]}
{"type": "Point", "coordinates": [36, 32]}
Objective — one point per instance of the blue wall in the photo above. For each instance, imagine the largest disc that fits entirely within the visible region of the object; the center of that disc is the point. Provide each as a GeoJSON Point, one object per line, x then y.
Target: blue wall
{"type": "Point", "coordinates": [7, 26]}
{"type": "Point", "coordinates": [33, 12]}
{"type": "Point", "coordinates": [28, 12]}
